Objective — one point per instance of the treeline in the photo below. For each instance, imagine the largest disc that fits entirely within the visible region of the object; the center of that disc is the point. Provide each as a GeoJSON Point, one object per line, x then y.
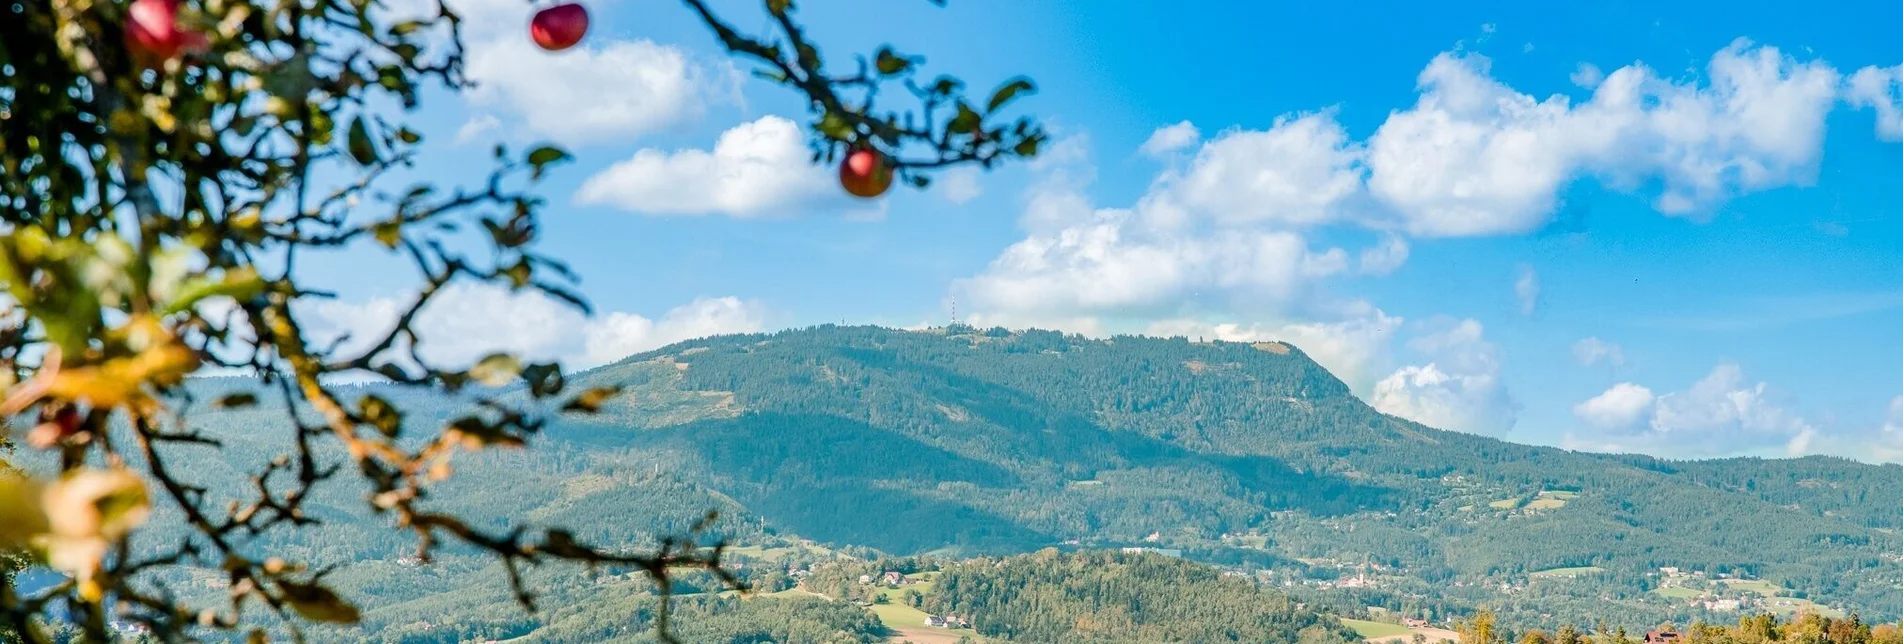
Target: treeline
{"type": "Point", "coordinates": [1105, 597]}
{"type": "Point", "coordinates": [1757, 629]}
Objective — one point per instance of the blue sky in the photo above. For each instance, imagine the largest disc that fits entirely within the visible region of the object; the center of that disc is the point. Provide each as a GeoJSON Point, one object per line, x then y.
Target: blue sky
{"type": "Point", "coordinates": [1604, 225]}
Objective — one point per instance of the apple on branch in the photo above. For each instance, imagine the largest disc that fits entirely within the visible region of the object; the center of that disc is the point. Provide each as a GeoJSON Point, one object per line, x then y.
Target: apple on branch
{"type": "Point", "coordinates": [865, 172]}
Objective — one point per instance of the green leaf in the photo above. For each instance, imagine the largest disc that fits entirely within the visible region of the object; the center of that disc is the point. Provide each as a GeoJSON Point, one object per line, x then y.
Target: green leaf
{"type": "Point", "coordinates": [1009, 91]}
{"type": "Point", "coordinates": [361, 148]}
{"type": "Point", "coordinates": [317, 603]}
{"type": "Point", "coordinates": [407, 26]}
{"type": "Point", "coordinates": [238, 283]}
{"type": "Point", "coordinates": [966, 122]}
{"type": "Point", "coordinates": [389, 233]}
{"type": "Point", "coordinates": [381, 415]}
{"type": "Point", "coordinates": [779, 6]}
{"type": "Point", "coordinates": [543, 156]}
{"type": "Point", "coordinates": [590, 401]}
{"type": "Point", "coordinates": [237, 400]}
{"type": "Point", "coordinates": [835, 127]}
{"type": "Point", "coordinates": [891, 64]}
{"type": "Point", "coordinates": [519, 273]}
{"type": "Point", "coordinates": [1027, 147]}
{"type": "Point", "coordinates": [496, 369]}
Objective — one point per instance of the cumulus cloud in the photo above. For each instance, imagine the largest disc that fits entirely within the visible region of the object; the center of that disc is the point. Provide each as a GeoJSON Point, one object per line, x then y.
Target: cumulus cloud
{"type": "Point", "coordinates": [1526, 288]}
{"type": "Point", "coordinates": [1476, 157]}
{"type": "Point", "coordinates": [1081, 260]}
{"type": "Point", "coordinates": [1296, 173]}
{"type": "Point", "coordinates": [1171, 138]}
{"type": "Point", "coordinates": [602, 91]}
{"type": "Point", "coordinates": [1722, 414]}
{"type": "Point", "coordinates": [1592, 351]}
{"type": "Point", "coordinates": [1621, 407]}
{"type": "Point", "coordinates": [757, 169]}
{"type": "Point", "coordinates": [1459, 388]}
{"type": "Point", "coordinates": [1354, 349]}
{"type": "Point", "coordinates": [1881, 89]}
{"type": "Point", "coordinates": [1893, 422]}
{"type": "Point", "coordinates": [467, 321]}
{"type": "Point", "coordinates": [1385, 258]}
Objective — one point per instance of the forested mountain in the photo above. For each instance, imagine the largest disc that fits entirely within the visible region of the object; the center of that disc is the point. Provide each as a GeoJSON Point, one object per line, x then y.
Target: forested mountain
{"type": "Point", "coordinates": [964, 442]}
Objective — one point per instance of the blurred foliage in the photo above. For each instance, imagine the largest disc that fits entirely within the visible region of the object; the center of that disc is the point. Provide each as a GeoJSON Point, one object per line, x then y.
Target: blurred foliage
{"type": "Point", "coordinates": [168, 163]}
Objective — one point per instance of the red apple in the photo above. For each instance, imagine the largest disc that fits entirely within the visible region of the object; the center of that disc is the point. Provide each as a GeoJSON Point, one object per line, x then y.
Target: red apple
{"type": "Point", "coordinates": [559, 27]}
{"type": "Point", "coordinates": [153, 34]}
{"type": "Point", "coordinates": [865, 173]}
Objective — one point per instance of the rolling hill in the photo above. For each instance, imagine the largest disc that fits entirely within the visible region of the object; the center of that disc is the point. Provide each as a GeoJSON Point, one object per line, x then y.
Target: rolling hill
{"type": "Point", "coordinates": [957, 442]}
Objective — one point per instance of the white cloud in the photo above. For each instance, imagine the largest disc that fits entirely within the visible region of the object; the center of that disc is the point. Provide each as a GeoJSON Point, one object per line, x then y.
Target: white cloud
{"type": "Point", "coordinates": [602, 91]}
{"type": "Point", "coordinates": [757, 169]}
{"type": "Point", "coordinates": [1476, 157]}
{"type": "Point", "coordinates": [1354, 349]}
{"type": "Point", "coordinates": [476, 127]}
{"type": "Point", "coordinates": [1385, 258]}
{"type": "Point", "coordinates": [1893, 422]}
{"type": "Point", "coordinates": [467, 321]}
{"type": "Point", "coordinates": [1880, 88]}
{"type": "Point", "coordinates": [1459, 388]}
{"type": "Point", "coordinates": [960, 185]}
{"type": "Point", "coordinates": [1171, 138]}
{"type": "Point", "coordinates": [595, 93]}
{"type": "Point", "coordinates": [1722, 414]}
{"type": "Point", "coordinates": [1296, 173]}
{"type": "Point", "coordinates": [1526, 288]}
{"type": "Point", "coordinates": [1592, 351]}
{"type": "Point", "coordinates": [1622, 406]}
{"type": "Point", "coordinates": [1587, 76]}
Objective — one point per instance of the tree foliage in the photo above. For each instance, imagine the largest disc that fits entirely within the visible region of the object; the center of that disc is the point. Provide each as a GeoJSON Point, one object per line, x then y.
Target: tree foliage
{"type": "Point", "coordinates": [155, 208]}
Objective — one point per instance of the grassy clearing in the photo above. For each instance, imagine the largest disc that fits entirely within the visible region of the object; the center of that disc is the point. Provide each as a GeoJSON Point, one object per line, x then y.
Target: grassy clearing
{"type": "Point", "coordinates": [1505, 504]}
{"type": "Point", "coordinates": [1546, 504]}
{"type": "Point", "coordinates": [1371, 630]}
{"type": "Point", "coordinates": [1566, 572]}
{"type": "Point", "coordinates": [1758, 586]}
{"type": "Point", "coordinates": [1562, 495]}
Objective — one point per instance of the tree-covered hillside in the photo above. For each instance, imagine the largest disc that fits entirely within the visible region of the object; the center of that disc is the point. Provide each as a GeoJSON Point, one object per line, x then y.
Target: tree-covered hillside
{"type": "Point", "coordinates": [966, 442]}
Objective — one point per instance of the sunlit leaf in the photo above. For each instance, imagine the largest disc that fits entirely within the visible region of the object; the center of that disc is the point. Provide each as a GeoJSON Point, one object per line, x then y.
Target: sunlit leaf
{"type": "Point", "coordinates": [381, 415]}
{"type": "Point", "coordinates": [590, 401]}
{"type": "Point", "coordinates": [496, 369]}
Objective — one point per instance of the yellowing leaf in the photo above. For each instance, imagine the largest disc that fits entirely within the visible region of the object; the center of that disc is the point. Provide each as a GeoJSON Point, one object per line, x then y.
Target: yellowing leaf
{"type": "Point", "coordinates": [317, 603]}
{"type": "Point", "coordinates": [590, 401]}
{"type": "Point", "coordinates": [20, 515]}
{"type": "Point", "coordinates": [98, 503]}
{"type": "Point", "coordinates": [496, 369]}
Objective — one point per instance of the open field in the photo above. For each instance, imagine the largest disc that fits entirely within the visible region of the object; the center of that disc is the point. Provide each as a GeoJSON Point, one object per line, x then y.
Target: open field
{"type": "Point", "coordinates": [1566, 572]}
{"type": "Point", "coordinates": [1505, 504]}
{"type": "Point", "coordinates": [1758, 586]}
{"type": "Point", "coordinates": [1371, 630]}
{"type": "Point", "coordinates": [1433, 635]}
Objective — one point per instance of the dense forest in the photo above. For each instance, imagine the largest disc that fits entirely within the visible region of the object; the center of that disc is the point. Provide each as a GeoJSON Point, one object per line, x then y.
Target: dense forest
{"type": "Point", "coordinates": [962, 442]}
{"type": "Point", "coordinates": [1110, 598]}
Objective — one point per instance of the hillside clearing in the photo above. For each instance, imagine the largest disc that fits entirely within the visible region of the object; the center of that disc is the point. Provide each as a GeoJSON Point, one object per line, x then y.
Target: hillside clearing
{"type": "Point", "coordinates": [1371, 630]}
